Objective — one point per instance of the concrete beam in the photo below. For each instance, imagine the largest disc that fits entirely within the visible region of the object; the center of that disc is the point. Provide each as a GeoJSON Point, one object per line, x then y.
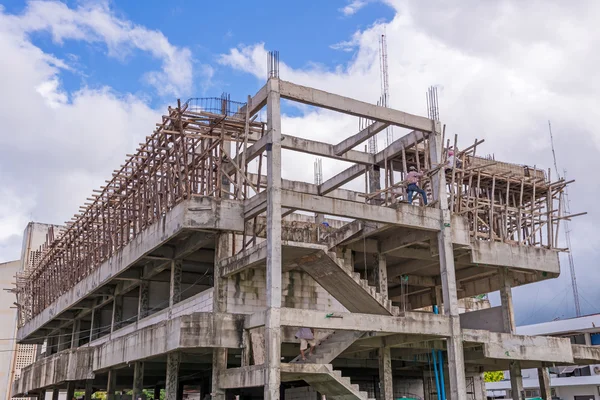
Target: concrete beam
{"type": "Point", "coordinates": [360, 137]}
{"type": "Point", "coordinates": [405, 215]}
{"type": "Point", "coordinates": [354, 107]}
{"type": "Point", "coordinates": [512, 256]}
{"type": "Point", "coordinates": [395, 149]}
{"type": "Point", "coordinates": [411, 323]}
{"type": "Point", "coordinates": [258, 101]}
{"type": "Point", "coordinates": [507, 346]}
{"type": "Point", "coordinates": [249, 258]}
{"type": "Point", "coordinates": [404, 239]}
{"type": "Point", "coordinates": [327, 150]}
{"type": "Point", "coordinates": [243, 377]}
{"type": "Point", "coordinates": [342, 178]}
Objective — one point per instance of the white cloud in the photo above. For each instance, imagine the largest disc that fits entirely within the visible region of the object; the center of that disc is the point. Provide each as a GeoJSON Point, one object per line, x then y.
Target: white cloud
{"type": "Point", "coordinates": [505, 70]}
{"type": "Point", "coordinates": [353, 7]}
{"type": "Point", "coordinates": [56, 146]}
{"type": "Point", "coordinates": [96, 23]}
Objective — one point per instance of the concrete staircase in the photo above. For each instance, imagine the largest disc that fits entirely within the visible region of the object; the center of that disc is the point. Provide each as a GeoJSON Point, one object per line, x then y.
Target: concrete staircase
{"type": "Point", "coordinates": [334, 345]}
{"type": "Point", "coordinates": [324, 379]}
{"type": "Point", "coordinates": [345, 285]}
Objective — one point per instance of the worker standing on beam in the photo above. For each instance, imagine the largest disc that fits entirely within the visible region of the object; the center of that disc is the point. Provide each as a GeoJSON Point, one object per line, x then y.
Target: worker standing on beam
{"type": "Point", "coordinates": [412, 179]}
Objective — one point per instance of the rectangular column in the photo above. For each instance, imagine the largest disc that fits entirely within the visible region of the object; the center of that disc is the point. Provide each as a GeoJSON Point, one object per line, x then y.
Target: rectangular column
{"type": "Point", "coordinates": [456, 364]}
{"type": "Point", "coordinates": [175, 285]}
{"type": "Point", "coordinates": [273, 316]}
{"type": "Point", "coordinates": [382, 281]}
{"type": "Point", "coordinates": [111, 385]}
{"type": "Point", "coordinates": [219, 361]}
{"type": "Point", "coordinates": [42, 395]}
{"type": "Point", "coordinates": [92, 326]}
{"type": "Point", "coordinates": [144, 299]}
{"type": "Point", "coordinates": [88, 389]}
{"type": "Point", "coordinates": [508, 321]}
{"type": "Point", "coordinates": [70, 390]}
{"type": "Point", "coordinates": [75, 333]}
{"type": "Point", "coordinates": [156, 392]}
{"type": "Point", "coordinates": [386, 385]}
{"type": "Point", "coordinates": [138, 380]}
{"type": "Point", "coordinates": [117, 313]}
{"type": "Point", "coordinates": [63, 340]}
{"type": "Point", "coordinates": [55, 393]}
{"type": "Point", "coordinates": [544, 378]}
{"type": "Point", "coordinates": [172, 380]}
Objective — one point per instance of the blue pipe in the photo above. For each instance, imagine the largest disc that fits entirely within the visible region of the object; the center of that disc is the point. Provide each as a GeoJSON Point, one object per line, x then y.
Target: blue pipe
{"type": "Point", "coordinates": [442, 384]}
{"type": "Point", "coordinates": [437, 378]}
{"type": "Point", "coordinates": [435, 367]}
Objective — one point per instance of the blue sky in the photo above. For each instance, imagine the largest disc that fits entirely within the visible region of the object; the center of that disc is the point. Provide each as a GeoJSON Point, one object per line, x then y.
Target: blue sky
{"type": "Point", "coordinates": [303, 32]}
{"type": "Point", "coordinates": [82, 82]}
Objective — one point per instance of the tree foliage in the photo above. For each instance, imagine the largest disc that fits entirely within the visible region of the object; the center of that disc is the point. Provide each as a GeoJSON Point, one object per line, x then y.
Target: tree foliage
{"type": "Point", "coordinates": [493, 376]}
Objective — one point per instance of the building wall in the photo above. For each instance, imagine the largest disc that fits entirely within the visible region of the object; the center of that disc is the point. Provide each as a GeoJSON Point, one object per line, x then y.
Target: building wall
{"type": "Point", "coordinates": [569, 392]}
{"type": "Point", "coordinates": [8, 327]}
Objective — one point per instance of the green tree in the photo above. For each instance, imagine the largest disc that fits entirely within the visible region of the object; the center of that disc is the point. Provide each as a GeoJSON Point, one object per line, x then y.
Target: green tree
{"type": "Point", "coordinates": [493, 376]}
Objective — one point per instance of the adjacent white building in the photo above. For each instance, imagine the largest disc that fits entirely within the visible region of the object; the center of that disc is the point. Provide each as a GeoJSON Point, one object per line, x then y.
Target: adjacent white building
{"type": "Point", "coordinates": [567, 382]}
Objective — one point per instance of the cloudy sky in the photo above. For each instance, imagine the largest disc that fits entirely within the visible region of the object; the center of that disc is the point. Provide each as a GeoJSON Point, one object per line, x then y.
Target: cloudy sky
{"type": "Point", "coordinates": [83, 82]}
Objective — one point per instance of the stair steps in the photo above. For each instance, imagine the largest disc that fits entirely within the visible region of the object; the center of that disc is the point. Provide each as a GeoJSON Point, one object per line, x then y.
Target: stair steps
{"type": "Point", "coordinates": [346, 286]}
{"type": "Point", "coordinates": [331, 347]}
{"type": "Point", "coordinates": [324, 379]}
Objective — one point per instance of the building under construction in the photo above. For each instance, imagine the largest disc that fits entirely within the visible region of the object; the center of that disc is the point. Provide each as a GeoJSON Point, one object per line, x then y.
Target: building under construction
{"type": "Point", "coordinates": [195, 265]}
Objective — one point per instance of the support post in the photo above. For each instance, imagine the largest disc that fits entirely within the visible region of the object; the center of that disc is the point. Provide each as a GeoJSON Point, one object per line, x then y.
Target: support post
{"type": "Point", "coordinates": [456, 364]}
{"type": "Point", "coordinates": [156, 392]}
{"type": "Point", "coordinates": [175, 286]}
{"type": "Point", "coordinates": [92, 323]}
{"type": "Point", "coordinates": [55, 393]}
{"type": "Point", "coordinates": [117, 313]}
{"type": "Point", "coordinates": [70, 390]}
{"type": "Point", "coordinates": [75, 333]}
{"type": "Point", "coordinates": [273, 316]}
{"type": "Point", "coordinates": [63, 340]}
{"type": "Point", "coordinates": [138, 381]}
{"type": "Point", "coordinates": [544, 378]}
{"type": "Point", "coordinates": [386, 385]}
{"type": "Point", "coordinates": [144, 299]}
{"type": "Point", "coordinates": [219, 361]}
{"type": "Point", "coordinates": [89, 390]}
{"type": "Point", "coordinates": [42, 395]}
{"type": "Point", "coordinates": [508, 321]}
{"type": "Point", "coordinates": [111, 385]}
{"type": "Point", "coordinates": [172, 380]}
{"type": "Point", "coordinates": [382, 283]}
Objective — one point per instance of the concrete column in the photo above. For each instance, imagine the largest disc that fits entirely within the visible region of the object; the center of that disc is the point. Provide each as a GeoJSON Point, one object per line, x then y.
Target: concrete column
{"type": "Point", "coordinates": [175, 286]}
{"type": "Point", "coordinates": [374, 182]}
{"type": "Point", "coordinates": [172, 380]}
{"type": "Point", "coordinates": [92, 326]}
{"type": "Point", "coordinates": [386, 385]}
{"type": "Point", "coordinates": [63, 340]}
{"type": "Point", "coordinates": [70, 390]}
{"type": "Point", "coordinates": [111, 386]}
{"type": "Point", "coordinates": [219, 362]}
{"type": "Point", "coordinates": [117, 313]}
{"type": "Point", "coordinates": [42, 395]}
{"type": "Point", "coordinates": [56, 393]}
{"type": "Point", "coordinates": [75, 333]}
{"type": "Point", "coordinates": [544, 378]}
{"type": "Point", "coordinates": [456, 363]}
{"type": "Point", "coordinates": [156, 392]}
{"type": "Point", "coordinates": [89, 390]}
{"type": "Point", "coordinates": [273, 316]}
{"type": "Point", "coordinates": [382, 281]}
{"type": "Point", "coordinates": [144, 299]}
{"type": "Point", "coordinates": [138, 380]}
{"type": "Point", "coordinates": [508, 322]}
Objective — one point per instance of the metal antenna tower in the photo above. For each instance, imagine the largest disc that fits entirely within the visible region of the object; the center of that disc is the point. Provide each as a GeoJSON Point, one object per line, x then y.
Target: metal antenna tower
{"type": "Point", "coordinates": [385, 85]}
{"type": "Point", "coordinates": [567, 210]}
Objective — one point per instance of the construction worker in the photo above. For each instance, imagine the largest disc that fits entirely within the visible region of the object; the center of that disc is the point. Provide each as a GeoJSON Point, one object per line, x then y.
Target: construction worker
{"type": "Point", "coordinates": [412, 179]}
